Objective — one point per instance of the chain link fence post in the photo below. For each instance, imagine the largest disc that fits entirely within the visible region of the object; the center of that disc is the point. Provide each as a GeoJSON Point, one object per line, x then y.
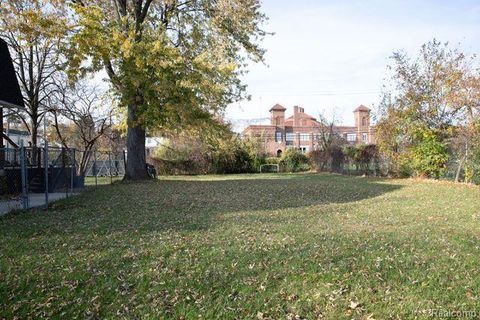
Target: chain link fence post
{"type": "Point", "coordinates": [72, 170]}
{"type": "Point", "coordinates": [45, 164]}
{"type": "Point", "coordinates": [23, 170]}
{"type": "Point", "coordinates": [95, 167]}
{"type": "Point", "coordinates": [124, 162]}
{"type": "Point", "coordinates": [110, 167]}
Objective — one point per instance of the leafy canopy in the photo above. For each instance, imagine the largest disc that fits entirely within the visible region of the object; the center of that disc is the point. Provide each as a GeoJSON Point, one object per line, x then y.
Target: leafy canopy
{"type": "Point", "coordinates": [179, 62]}
{"type": "Point", "coordinates": [427, 97]}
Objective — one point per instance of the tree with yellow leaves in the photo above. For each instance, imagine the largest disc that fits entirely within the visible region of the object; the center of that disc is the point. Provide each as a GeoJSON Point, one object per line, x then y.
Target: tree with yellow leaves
{"type": "Point", "coordinates": [172, 64]}
{"type": "Point", "coordinates": [33, 30]}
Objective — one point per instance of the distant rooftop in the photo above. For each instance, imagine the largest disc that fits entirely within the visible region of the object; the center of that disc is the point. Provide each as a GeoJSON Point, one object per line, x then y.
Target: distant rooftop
{"type": "Point", "coordinates": [278, 107]}
{"type": "Point", "coordinates": [361, 108]}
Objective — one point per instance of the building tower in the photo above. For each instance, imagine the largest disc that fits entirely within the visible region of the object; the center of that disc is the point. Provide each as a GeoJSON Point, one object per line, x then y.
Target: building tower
{"type": "Point", "coordinates": [362, 124]}
{"type": "Point", "coordinates": [277, 116]}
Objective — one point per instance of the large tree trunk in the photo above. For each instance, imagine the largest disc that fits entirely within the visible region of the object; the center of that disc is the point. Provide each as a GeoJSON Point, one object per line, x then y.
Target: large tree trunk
{"type": "Point", "coordinates": [136, 163]}
{"type": "Point", "coordinates": [34, 133]}
{"type": "Point", "coordinates": [459, 169]}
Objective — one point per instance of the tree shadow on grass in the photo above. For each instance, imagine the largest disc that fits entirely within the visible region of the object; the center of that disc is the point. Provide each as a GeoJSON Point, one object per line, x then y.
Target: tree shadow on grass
{"type": "Point", "coordinates": [125, 228]}
{"type": "Point", "coordinates": [190, 204]}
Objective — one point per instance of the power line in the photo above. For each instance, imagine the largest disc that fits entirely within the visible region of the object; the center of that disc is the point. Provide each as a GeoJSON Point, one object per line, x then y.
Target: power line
{"type": "Point", "coordinates": [325, 93]}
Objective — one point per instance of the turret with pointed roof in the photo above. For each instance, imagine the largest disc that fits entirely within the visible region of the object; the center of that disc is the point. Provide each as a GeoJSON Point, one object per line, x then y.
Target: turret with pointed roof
{"type": "Point", "coordinates": [362, 118]}
{"type": "Point", "coordinates": [302, 131]}
{"type": "Point", "coordinates": [362, 108]}
{"type": "Point", "coordinates": [278, 107]}
{"type": "Point", "coordinates": [277, 115]}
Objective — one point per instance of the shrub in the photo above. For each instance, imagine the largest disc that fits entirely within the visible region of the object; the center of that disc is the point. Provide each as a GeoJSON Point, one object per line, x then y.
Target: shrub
{"type": "Point", "coordinates": [269, 167]}
{"type": "Point", "coordinates": [320, 159]}
{"type": "Point", "coordinates": [362, 157]}
{"type": "Point", "coordinates": [232, 158]}
{"type": "Point", "coordinates": [338, 159]}
{"type": "Point", "coordinates": [293, 161]}
{"type": "Point", "coordinates": [185, 157]}
{"type": "Point", "coordinates": [255, 151]}
{"type": "Point", "coordinates": [365, 156]}
{"type": "Point", "coordinates": [272, 160]}
{"type": "Point", "coordinates": [190, 155]}
{"type": "Point", "coordinates": [472, 168]}
{"type": "Point", "coordinates": [429, 155]}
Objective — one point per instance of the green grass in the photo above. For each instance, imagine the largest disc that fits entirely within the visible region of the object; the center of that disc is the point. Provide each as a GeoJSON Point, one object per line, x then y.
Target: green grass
{"type": "Point", "coordinates": [273, 246]}
{"type": "Point", "coordinates": [90, 181]}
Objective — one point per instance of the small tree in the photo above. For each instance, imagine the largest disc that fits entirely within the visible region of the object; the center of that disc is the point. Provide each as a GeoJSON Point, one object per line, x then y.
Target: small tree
{"type": "Point", "coordinates": [81, 117]}
{"type": "Point", "coordinates": [427, 96]}
{"type": "Point", "coordinates": [328, 140]}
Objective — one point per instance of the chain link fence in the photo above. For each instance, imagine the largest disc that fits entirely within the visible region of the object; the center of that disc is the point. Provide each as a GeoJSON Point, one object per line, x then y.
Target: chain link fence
{"type": "Point", "coordinates": [35, 176]}
{"type": "Point", "coordinates": [100, 167]}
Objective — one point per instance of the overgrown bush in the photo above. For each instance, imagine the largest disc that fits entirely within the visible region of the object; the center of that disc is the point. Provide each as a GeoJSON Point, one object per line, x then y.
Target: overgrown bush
{"type": "Point", "coordinates": [185, 157]}
{"type": "Point", "coordinates": [338, 159]}
{"type": "Point", "coordinates": [472, 168]}
{"type": "Point", "coordinates": [366, 157]}
{"type": "Point", "coordinates": [232, 157]}
{"type": "Point", "coordinates": [294, 161]}
{"type": "Point", "coordinates": [320, 159]}
{"type": "Point", "coordinates": [194, 156]}
{"type": "Point", "coordinates": [363, 158]}
{"type": "Point", "coordinates": [429, 156]}
{"type": "Point", "coordinates": [272, 160]}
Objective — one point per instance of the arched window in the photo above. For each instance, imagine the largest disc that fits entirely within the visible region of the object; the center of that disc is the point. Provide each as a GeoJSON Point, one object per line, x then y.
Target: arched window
{"type": "Point", "coordinates": [279, 153]}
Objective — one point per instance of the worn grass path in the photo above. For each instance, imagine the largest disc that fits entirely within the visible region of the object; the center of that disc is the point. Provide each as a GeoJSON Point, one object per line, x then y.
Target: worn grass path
{"type": "Point", "coordinates": [246, 247]}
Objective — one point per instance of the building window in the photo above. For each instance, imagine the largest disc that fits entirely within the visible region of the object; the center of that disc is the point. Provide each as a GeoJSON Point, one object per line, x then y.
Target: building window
{"type": "Point", "coordinates": [304, 123]}
{"type": "Point", "coordinates": [278, 136]}
{"type": "Point", "coordinates": [364, 121]}
{"type": "Point", "coordinates": [365, 137]}
{"type": "Point", "coordinates": [304, 137]}
{"type": "Point", "coordinates": [289, 136]}
{"type": "Point", "coordinates": [351, 137]}
{"type": "Point", "coordinates": [320, 137]}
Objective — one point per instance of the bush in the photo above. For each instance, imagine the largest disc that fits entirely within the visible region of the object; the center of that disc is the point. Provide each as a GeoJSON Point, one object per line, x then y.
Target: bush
{"type": "Point", "coordinates": [338, 159]}
{"type": "Point", "coordinates": [187, 157]}
{"type": "Point", "coordinates": [365, 156]}
{"type": "Point", "coordinates": [293, 161]}
{"type": "Point", "coordinates": [232, 159]}
{"type": "Point", "coordinates": [320, 159]}
{"type": "Point", "coordinates": [362, 157]}
{"type": "Point", "coordinates": [269, 168]}
{"type": "Point", "coordinates": [472, 168]}
{"type": "Point", "coordinates": [272, 160]}
{"type": "Point", "coordinates": [429, 156]}
{"type": "Point", "coordinates": [194, 156]}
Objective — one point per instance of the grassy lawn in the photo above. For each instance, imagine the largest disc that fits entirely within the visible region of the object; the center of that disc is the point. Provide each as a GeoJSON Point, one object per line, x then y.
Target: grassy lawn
{"type": "Point", "coordinates": [246, 247]}
{"type": "Point", "coordinates": [90, 181]}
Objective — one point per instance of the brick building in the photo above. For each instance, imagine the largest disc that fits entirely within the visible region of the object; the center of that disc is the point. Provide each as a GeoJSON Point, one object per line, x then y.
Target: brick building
{"type": "Point", "coordinates": [302, 131]}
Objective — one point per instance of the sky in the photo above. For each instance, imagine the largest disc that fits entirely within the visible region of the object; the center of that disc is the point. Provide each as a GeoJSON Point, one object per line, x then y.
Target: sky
{"type": "Point", "coordinates": [331, 56]}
